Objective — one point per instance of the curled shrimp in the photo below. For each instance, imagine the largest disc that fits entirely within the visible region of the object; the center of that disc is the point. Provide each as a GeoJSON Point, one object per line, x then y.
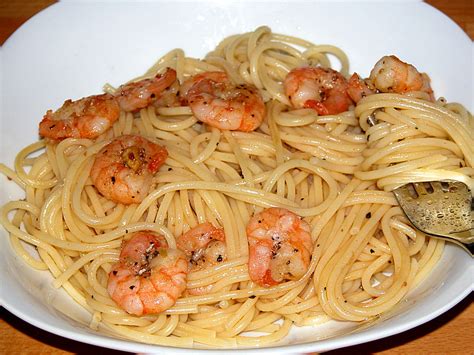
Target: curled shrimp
{"type": "Point", "coordinates": [322, 89]}
{"type": "Point", "coordinates": [88, 117]}
{"type": "Point", "coordinates": [137, 95]}
{"type": "Point", "coordinates": [390, 74]}
{"type": "Point", "coordinates": [123, 170]}
{"type": "Point", "coordinates": [219, 103]}
{"type": "Point", "coordinates": [280, 246]}
{"type": "Point", "coordinates": [149, 276]}
{"type": "Point", "coordinates": [204, 246]}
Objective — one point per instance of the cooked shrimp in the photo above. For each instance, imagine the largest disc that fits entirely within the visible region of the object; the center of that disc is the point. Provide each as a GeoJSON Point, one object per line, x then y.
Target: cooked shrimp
{"type": "Point", "coordinates": [390, 74]}
{"type": "Point", "coordinates": [88, 117]}
{"type": "Point", "coordinates": [204, 246]}
{"type": "Point", "coordinates": [137, 95]}
{"type": "Point", "coordinates": [123, 170]}
{"type": "Point", "coordinates": [149, 276]}
{"type": "Point", "coordinates": [219, 103]}
{"type": "Point", "coordinates": [324, 90]}
{"type": "Point", "coordinates": [280, 246]}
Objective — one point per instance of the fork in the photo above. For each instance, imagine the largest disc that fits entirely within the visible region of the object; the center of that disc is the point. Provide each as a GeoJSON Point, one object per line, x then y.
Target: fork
{"type": "Point", "coordinates": [442, 209]}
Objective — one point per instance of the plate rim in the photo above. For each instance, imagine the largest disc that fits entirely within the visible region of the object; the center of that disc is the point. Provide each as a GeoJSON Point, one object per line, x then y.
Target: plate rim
{"type": "Point", "coordinates": [302, 347]}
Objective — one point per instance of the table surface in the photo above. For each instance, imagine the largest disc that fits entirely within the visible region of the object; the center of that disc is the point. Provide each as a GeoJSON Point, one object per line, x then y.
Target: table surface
{"type": "Point", "coordinates": [451, 333]}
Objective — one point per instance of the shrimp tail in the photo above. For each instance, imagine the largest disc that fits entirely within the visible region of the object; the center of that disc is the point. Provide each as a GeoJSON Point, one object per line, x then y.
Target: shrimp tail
{"type": "Point", "coordinates": [358, 88]}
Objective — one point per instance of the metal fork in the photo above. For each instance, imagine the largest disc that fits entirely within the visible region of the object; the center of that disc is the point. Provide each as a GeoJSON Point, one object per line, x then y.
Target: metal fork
{"type": "Point", "coordinates": [441, 209]}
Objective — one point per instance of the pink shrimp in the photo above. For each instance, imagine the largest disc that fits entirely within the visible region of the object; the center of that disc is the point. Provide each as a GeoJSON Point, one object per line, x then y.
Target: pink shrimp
{"type": "Point", "coordinates": [149, 276]}
{"type": "Point", "coordinates": [88, 117]}
{"type": "Point", "coordinates": [219, 103]}
{"type": "Point", "coordinates": [204, 246]}
{"type": "Point", "coordinates": [123, 170]}
{"type": "Point", "coordinates": [322, 89]}
{"type": "Point", "coordinates": [280, 246]}
{"type": "Point", "coordinates": [137, 95]}
{"type": "Point", "coordinates": [390, 74]}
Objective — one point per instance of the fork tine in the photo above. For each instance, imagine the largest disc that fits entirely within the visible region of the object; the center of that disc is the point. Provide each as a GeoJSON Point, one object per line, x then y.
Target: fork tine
{"type": "Point", "coordinates": [420, 188]}
{"type": "Point", "coordinates": [403, 193]}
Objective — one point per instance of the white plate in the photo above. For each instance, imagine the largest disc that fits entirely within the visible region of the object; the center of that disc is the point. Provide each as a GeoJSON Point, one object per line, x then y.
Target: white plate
{"type": "Point", "coordinates": [71, 49]}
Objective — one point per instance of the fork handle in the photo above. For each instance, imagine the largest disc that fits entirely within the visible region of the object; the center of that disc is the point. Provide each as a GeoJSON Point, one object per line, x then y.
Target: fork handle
{"type": "Point", "coordinates": [465, 237]}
